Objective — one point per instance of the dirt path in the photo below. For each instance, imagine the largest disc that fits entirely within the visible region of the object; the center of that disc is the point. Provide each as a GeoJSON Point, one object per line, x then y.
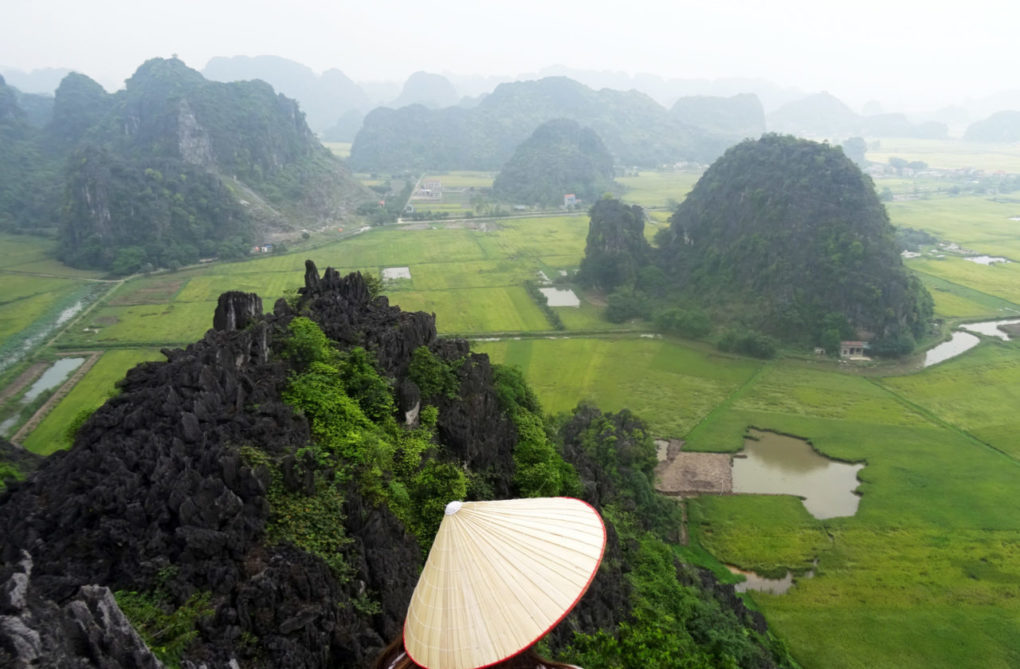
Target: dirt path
{"type": "Point", "coordinates": [55, 398]}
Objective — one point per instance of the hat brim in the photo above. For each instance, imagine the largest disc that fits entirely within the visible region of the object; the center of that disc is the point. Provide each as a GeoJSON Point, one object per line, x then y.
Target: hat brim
{"type": "Point", "coordinates": [500, 575]}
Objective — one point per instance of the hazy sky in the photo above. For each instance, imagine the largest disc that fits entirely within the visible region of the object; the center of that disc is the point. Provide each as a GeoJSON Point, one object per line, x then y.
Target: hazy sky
{"type": "Point", "coordinates": [910, 54]}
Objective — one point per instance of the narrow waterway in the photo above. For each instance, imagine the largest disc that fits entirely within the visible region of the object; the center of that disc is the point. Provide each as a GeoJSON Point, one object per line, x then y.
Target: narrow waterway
{"type": "Point", "coordinates": [964, 339]}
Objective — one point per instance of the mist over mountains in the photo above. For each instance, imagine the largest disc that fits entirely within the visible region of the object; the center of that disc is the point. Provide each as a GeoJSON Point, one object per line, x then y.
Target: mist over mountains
{"type": "Point", "coordinates": [335, 103]}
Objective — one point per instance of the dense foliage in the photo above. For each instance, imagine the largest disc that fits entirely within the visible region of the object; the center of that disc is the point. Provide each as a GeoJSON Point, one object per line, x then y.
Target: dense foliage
{"type": "Point", "coordinates": [560, 157]}
{"type": "Point", "coordinates": [616, 247]}
{"type": "Point", "coordinates": [635, 128]}
{"type": "Point", "coordinates": [607, 459]}
{"type": "Point", "coordinates": [29, 193]}
{"type": "Point", "coordinates": [788, 237]}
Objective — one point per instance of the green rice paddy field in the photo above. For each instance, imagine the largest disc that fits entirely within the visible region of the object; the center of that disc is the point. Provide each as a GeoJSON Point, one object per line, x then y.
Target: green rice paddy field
{"type": "Point", "coordinates": [950, 153]}
{"type": "Point", "coordinates": [927, 573]}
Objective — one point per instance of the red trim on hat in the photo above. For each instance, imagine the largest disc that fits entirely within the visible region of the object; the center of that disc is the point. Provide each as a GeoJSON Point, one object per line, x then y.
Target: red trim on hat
{"type": "Point", "coordinates": [570, 608]}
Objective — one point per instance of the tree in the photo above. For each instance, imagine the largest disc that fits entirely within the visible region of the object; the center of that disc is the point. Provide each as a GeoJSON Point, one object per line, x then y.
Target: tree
{"type": "Point", "coordinates": [855, 149]}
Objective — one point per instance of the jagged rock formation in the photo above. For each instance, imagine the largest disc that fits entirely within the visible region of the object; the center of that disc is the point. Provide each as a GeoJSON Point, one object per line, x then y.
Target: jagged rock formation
{"type": "Point", "coordinates": [161, 496]}
{"type": "Point", "coordinates": [89, 630]}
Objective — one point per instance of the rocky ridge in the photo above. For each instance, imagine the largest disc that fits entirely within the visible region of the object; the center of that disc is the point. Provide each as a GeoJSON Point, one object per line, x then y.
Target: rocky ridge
{"type": "Point", "coordinates": [157, 496]}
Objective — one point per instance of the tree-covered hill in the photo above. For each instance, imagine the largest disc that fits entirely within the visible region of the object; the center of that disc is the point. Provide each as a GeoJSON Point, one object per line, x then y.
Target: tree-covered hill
{"type": "Point", "coordinates": [824, 116]}
{"type": "Point", "coordinates": [560, 157]}
{"type": "Point", "coordinates": [740, 116]}
{"type": "Point", "coordinates": [1003, 126]}
{"type": "Point", "coordinates": [171, 169]}
{"type": "Point", "coordinates": [265, 497]}
{"type": "Point", "coordinates": [818, 115]}
{"type": "Point", "coordinates": [324, 98]}
{"type": "Point", "coordinates": [29, 174]}
{"type": "Point", "coordinates": [789, 235]}
{"type": "Point", "coordinates": [427, 89]}
{"type": "Point", "coordinates": [635, 128]}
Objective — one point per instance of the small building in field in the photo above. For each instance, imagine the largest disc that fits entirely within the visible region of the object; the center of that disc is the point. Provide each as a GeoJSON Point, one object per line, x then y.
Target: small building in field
{"type": "Point", "coordinates": [569, 200]}
{"type": "Point", "coordinates": [853, 349]}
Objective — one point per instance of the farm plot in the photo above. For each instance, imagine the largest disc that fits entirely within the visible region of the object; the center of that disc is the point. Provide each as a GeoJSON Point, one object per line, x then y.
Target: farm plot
{"type": "Point", "coordinates": [935, 544]}
{"type": "Point", "coordinates": [87, 395]}
{"type": "Point", "coordinates": [955, 301]}
{"type": "Point", "coordinates": [476, 310]}
{"type": "Point", "coordinates": [976, 223]}
{"type": "Point", "coordinates": [1000, 280]}
{"type": "Point", "coordinates": [987, 409]}
{"type": "Point", "coordinates": [670, 385]}
{"type": "Point", "coordinates": [177, 323]}
{"type": "Point", "coordinates": [950, 153]}
{"type": "Point", "coordinates": [657, 189]}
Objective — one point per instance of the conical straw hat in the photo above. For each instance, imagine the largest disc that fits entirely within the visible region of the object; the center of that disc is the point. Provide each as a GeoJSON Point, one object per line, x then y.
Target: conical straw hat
{"type": "Point", "coordinates": [499, 576]}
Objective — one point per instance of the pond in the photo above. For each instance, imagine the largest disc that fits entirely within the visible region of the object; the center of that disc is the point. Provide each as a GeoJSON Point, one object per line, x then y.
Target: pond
{"type": "Point", "coordinates": [559, 297]}
{"type": "Point", "coordinates": [775, 464]}
{"type": "Point", "coordinates": [52, 377]}
{"type": "Point", "coordinates": [773, 586]}
{"type": "Point", "coordinates": [986, 260]}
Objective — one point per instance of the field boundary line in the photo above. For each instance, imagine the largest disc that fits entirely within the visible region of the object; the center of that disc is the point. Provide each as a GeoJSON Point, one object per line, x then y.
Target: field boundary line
{"type": "Point", "coordinates": [941, 422]}
{"type": "Point", "coordinates": [56, 397]}
{"type": "Point", "coordinates": [34, 371]}
{"type": "Point", "coordinates": [732, 397]}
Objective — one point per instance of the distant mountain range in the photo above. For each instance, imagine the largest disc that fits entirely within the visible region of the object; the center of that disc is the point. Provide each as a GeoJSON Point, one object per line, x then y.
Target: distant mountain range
{"type": "Point", "coordinates": [823, 115]}
{"type": "Point", "coordinates": [171, 168]}
{"type": "Point", "coordinates": [636, 129]}
{"type": "Point", "coordinates": [335, 105]}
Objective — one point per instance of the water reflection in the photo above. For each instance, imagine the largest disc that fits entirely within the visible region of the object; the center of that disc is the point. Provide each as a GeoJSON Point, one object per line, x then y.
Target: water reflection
{"type": "Point", "coordinates": [964, 341]}
{"type": "Point", "coordinates": [959, 343]}
{"type": "Point", "coordinates": [990, 328]}
{"type": "Point", "coordinates": [773, 586]}
{"type": "Point", "coordinates": [52, 377]}
{"type": "Point", "coordinates": [779, 465]}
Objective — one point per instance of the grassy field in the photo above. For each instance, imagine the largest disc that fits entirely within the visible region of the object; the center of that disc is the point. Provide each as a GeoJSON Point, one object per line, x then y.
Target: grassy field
{"type": "Point", "coordinates": [953, 300]}
{"type": "Point", "coordinates": [339, 149]}
{"type": "Point", "coordinates": [991, 377]}
{"type": "Point", "coordinates": [934, 550]}
{"type": "Point", "coordinates": [927, 573]}
{"type": "Point", "coordinates": [89, 394]}
{"type": "Point", "coordinates": [977, 223]}
{"type": "Point", "coordinates": [33, 284]}
{"type": "Point", "coordinates": [950, 153]}
{"type": "Point", "coordinates": [670, 385]}
{"type": "Point", "coordinates": [1001, 280]}
{"type": "Point", "coordinates": [657, 189]}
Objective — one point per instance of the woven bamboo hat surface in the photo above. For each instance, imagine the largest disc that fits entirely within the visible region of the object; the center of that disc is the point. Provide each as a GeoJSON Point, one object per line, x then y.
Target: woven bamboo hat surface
{"type": "Point", "coordinates": [499, 576]}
